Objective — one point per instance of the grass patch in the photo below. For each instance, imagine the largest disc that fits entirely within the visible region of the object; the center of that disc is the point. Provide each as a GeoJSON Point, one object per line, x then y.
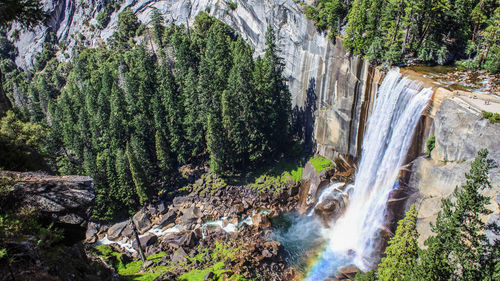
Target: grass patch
{"type": "Point", "coordinates": [493, 117]}
{"type": "Point", "coordinates": [131, 270]}
{"type": "Point", "coordinates": [321, 163]}
{"type": "Point", "coordinates": [270, 179]}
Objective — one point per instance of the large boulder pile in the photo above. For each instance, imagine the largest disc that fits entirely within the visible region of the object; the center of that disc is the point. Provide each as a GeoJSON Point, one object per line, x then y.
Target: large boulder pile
{"type": "Point", "coordinates": [199, 222]}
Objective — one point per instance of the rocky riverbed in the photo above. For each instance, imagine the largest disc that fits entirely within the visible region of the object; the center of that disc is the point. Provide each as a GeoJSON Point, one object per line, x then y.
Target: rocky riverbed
{"type": "Point", "coordinates": [218, 230]}
{"type": "Point", "coordinates": [230, 220]}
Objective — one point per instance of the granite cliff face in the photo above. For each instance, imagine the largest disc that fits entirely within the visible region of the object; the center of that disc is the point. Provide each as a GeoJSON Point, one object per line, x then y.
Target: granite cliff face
{"type": "Point", "coordinates": [460, 133]}
{"type": "Point", "coordinates": [321, 74]}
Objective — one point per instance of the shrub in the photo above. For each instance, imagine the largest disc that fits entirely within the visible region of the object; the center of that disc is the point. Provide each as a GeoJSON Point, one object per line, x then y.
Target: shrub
{"type": "Point", "coordinates": [430, 144]}
{"type": "Point", "coordinates": [233, 5]}
{"type": "Point", "coordinates": [493, 117]}
{"type": "Point", "coordinates": [103, 19]}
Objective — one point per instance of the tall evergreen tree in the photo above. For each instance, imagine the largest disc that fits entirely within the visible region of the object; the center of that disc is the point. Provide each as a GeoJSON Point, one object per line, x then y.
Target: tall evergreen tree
{"type": "Point", "coordinates": [402, 250]}
{"type": "Point", "coordinates": [214, 66]}
{"type": "Point", "coordinates": [194, 119]}
{"type": "Point", "coordinates": [174, 106]}
{"type": "Point", "coordinates": [237, 104]}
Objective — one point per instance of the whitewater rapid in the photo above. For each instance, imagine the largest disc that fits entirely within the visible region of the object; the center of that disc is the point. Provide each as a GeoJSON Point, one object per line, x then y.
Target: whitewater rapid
{"type": "Point", "coordinates": [354, 237]}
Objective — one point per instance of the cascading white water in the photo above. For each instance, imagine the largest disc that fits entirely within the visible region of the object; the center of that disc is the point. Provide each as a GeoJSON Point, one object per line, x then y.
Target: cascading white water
{"type": "Point", "coordinates": [354, 236]}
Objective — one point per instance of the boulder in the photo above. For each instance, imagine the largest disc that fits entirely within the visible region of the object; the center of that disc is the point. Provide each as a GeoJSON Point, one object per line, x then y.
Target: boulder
{"type": "Point", "coordinates": [167, 218]}
{"type": "Point", "coordinates": [162, 208]}
{"type": "Point", "coordinates": [183, 239]}
{"type": "Point", "coordinates": [91, 233]}
{"type": "Point", "coordinates": [260, 220]}
{"type": "Point", "coordinates": [310, 188]}
{"type": "Point", "coordinates": [346, 272]}
{"type": "Point", "coordinates": [191, 215]}
{"type": "Point", "coordinates": [179, 257]}
{"type": "Point", "coordinates": [142, 221]}
{"type": "Point", "coordinates": [331, 207]}
{"type": "Point", "coordinates": [181, 200]}
{"type": "Point", "coordinates": [146, 240]}
{"type": "Point", "coordinates": [115, 231]}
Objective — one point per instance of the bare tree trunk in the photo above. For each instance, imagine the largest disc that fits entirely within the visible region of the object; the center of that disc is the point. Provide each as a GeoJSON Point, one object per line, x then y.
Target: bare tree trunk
{"type": "Point", "coordinates": [403, 49]}
{"type": "Point", "coordinates": [424, 34]}
{"type": "Point", "coordinates": [474, 32]}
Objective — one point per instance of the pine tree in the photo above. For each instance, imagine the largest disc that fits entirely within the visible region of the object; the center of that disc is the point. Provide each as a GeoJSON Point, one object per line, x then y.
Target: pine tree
{"type": "Point", "coordinates": [277, 103]}
{"type": "Point", "coordinates": [193, 121]}
{"type": "Point", "coordinates": [214, 66]}
{"type": "Point", "coordinates": [402, 250]}
{"type": "Point", "coordinates": [136, 159]}
{"type": "Point", "coordinates": [174, 107]}
{"type": "Point", "coordinates": [237, 104]}
{"type": "Point", "coordinates": [126, 193]}
{"type": "Point", "coordinates": [158, 28]}
{"type": "Point", "coordinates": [355, 31]}
{"type": "Point", "coordinates": [455, 251]}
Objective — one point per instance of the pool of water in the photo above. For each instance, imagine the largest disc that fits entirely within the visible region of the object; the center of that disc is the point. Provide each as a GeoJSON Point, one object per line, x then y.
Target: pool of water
{"type": "Point", "coordinates": [301, 238]}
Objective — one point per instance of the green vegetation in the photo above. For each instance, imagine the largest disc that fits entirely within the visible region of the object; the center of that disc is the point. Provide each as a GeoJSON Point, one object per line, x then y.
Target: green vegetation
{"type": "Point", "coordinates": [21, 144]}
{"type": "Point", "coordinates": [27, 12]}
{"type": "Point", "coordinates": [460, 250]}
{"type": "Point", "coordinates": [328, 15]}
{"type": "Point", "coordinates": [18, 222]}
{"type": "Point", "coordinates": [211, 183]}
{"type": "Point", "coordinates": [430, 143]}
{"type": "Point", "coordinates": [321, 163]}
{"type": "Point", "coordinates": [493, 117]}
{"type": "Point", "coordinates": [271, 178]}
{"type": "Point", "coordinates": [131, 270]}
{"type": "Point", "coordinates": [130, 117]}
{"type": "Point", "coordinates": [232, 5]}
{"type": "Point", "coordinates": [104, 16]}
{"type": "Point", "coordinates": [433, 31]}
{"type": "Point", "coordinates": [402, 250]}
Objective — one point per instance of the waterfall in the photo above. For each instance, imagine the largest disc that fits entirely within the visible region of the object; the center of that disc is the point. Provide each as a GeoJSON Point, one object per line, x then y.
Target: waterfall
{"type": "Point", "coordinates": [354, 237]}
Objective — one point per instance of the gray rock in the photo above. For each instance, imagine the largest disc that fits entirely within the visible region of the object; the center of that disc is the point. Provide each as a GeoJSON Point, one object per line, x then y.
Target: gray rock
{"type": "Point", "coordinates": [142, 221]}
{"type": "Point", "coordinates": [179, 256]}
{"type": "Point", "coordinates": [162, 208]}
{"type": "Point", "coordinates": [115, 231]}
{"type": "Point", "coordinates": [167, 218]}
{"type": "Point", "coordinates": [492, 229]}
{"type": "Point", "coordinates": [461, 133]}
{"type": "Point", "coordinates": [146, 240]}
{"type": "Point", "coordinates": [310, 188]}
{"type": "Point", "coordinates": [66, 200]}
{"type": "Point", "coordinates": [91, 233]}
{"type": "Point", "coordinates": [191, 215]}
